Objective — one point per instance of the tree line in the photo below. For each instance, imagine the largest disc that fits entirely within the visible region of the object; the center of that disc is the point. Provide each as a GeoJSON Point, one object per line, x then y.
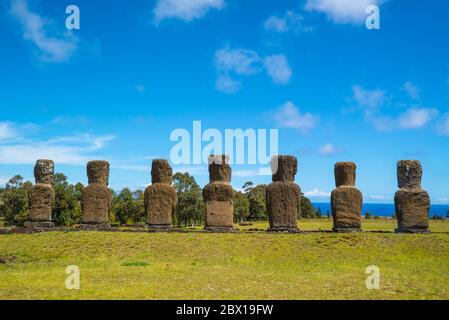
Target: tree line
{"type": "Point", "coordinates": [128, 206]}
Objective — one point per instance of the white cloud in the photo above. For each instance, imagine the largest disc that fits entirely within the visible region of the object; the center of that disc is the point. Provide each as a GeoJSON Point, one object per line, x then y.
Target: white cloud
{"type": "Point", "coordinates": [3, 181]}
{"type": "Point", "coordinates": [57, 48]}
{"type": "Point", "coordinates": [370, 100]}
{"type": "Point", "coordinates": [443, 125]}
{"type": "Point", "coordinates": [233, 63]}
{"type": "Point", "coordinates": [377, 197]}
{"type": "Point", "coordinates": [329, 149]}
{"type": "Point", "coordinates": [225, 83]}
{"type": "Point", "coordinates": [291, 21]}
{"type": "Point", "coordinates": [186, 10]}
{"type": "Point", "coordinates": [278, 68]}
{"type": "Point", "coordinates": [342, 11]}
{"type": "Point", "coordinates": [411, 90]}
{"type": "Point", "coordinates": [415, 118]}
{"type": "Point", "coordinates": [74, 149]}
{"type": "Point", "coordinates": [289, 116]}
{"type": "Point", "coordinates": [240, 61]}
{"type": "Point", "coordinates": [6, 131]}
{"type": "Point", "coordinates": [316, 193]}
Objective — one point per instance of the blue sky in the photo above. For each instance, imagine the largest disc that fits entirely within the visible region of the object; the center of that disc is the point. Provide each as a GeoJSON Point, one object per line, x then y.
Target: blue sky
{"type": "Point", "coordinates": [116, 88]}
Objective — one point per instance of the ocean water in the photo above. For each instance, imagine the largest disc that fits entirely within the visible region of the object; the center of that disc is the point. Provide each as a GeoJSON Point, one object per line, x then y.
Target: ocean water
{"type": "Point", "coordinates": [386, 209]}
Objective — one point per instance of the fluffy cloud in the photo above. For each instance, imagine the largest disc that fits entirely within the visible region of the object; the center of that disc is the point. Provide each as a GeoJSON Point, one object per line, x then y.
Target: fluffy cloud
{"type": "Point", "coordinates": [225, 83]}
{"type": "Point", "coordinates": [75, 149]}
{"type": "Point", "coordinates": [370, 100]}
{"type": "Point", "coordinates": [6, 131]}
{"type": "Point", "coordinates": [232, 63]}
{"type": "Point", "coordinates": [316, 193]}
{"type": "Point", "coordinates": [342, 11]}
{"type": "Point", "coordinates": [57, 48]}
{"type": "Point", "coordinates": [240, 61]}
{"type": "Point", "coordinates": [411, 90]}
{"type": "Point", "coordinates": [278, 68]}
{"type": "Point", "coordinates": [378, 198]}
{"type": "Point", "coordinates": [329, 149]}
{"type": "Point", "coordinates": [291, 21]}
{"type": "Point", "coordinates": [289, 116]}
{"type": "Point", "coordinates": [186, 10]}
{"type": "Point", "coordinates": [415, 118]}
{"type": "Point", "coordinates": [373, 101]}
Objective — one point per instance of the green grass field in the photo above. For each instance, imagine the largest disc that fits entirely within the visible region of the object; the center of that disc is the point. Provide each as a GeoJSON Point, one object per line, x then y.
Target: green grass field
{"type": "Point", "coordinates": [245, 265]}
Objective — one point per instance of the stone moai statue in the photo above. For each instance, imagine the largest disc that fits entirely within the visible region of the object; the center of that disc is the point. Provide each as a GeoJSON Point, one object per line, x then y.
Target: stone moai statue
{"type": "Point", "coordinates": [42, 195]}
{"type": "Point", "coordinates": [219, 195]}
{"type": "Point", "coordinates": [96, 197]}
{"type": "Point", "coordinates": [346, 199]}
{"type": "Point", "coordinates": [160, 197]}
{"type": "Point", "coordinates": [411, 201]}
{"type": "Point", "coordinates": [283, 196]}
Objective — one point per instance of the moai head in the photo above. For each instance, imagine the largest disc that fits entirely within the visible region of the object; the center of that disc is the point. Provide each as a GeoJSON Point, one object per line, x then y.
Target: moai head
{"type": "Point", "coordinates": [161, 172]}
{"type": "Point", "coordinates": [219, 168]}
{"type": "Point", "coordinates": [44, 171]}
{"type": "Point", "coordinates": [409, 174]}
{"type": "Point", "coordinates": [98, 172]}
{"type": "Point", "coordinates": [345, 174]}
{"type": "Point", "coordinates": [284, 168]}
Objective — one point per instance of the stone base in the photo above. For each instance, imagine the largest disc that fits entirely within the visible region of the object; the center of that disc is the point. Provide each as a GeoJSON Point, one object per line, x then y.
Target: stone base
{"type": "Point", "coordinates": [220, 229]}
{"type": "Point", "coordinates": [412, 230]}
{"type": "Point", "coordinates": [160, 227]}
{"type": "Point", "coordinates": [346, 230]}
{"type": "Point", "coordinates": [38, 224]}
{"type": "Point", "coordinates": [95, 227]}
{"type": "Point", "coordinates": [283, 230]}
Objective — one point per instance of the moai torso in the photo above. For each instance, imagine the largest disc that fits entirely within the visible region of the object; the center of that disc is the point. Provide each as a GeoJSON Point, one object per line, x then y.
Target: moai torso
{"type": "Point", "coordinates": [96, 198]}
{"type": "Point", "coordinates": [160, 197]}
{"type": "Point", "coordinates": [283, 196]}
{"type": "Point", "coordinates": [346, 199]}
{"type": "Point", "coordinates": [411, 201]}
{"type": "Point", "coordinates": [219, 195]}
{"type": "Point", "coordinates": [42, 194]}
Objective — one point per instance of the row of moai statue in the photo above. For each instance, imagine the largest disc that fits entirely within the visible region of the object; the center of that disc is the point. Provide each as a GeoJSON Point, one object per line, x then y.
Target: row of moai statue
{"type": "Point", "coordinates": [283, 196]}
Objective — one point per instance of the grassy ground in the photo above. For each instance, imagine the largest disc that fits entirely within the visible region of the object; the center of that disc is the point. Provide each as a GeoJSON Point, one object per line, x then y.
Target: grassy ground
{"type": "Point", "coordinates": [228, 266]}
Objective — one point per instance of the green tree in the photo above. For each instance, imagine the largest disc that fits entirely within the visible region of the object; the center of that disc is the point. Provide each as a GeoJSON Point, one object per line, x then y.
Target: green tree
{"type": "Point", "coordinates": [67, 206]}
{"type": "Point", "coordinates": [241, 207]}
{"type": "Point", "coordinates": [257, 206]}
{"type": "Point", "coordinates": [328, 214]}
{"type": "Point", "coordinates": [307, 209]}
{"type": "Point", "coordinates": [128, 207]}
{"type": "Point", "coordinates": [14, 199]}
{"type": "Point", "coordinates": [367, 215]}
{"type": "Point", "coordinates": [190, 206]}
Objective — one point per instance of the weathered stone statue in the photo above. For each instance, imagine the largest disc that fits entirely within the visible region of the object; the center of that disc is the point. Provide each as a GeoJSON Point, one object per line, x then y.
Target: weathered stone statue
{"type": "Point", "coordinates": [346, 199]}
{"type": "Point", "coordinates": [160, 197]}
{"type": "Point", "coordinates": [219, 195]}
{"type": "Point", "coordinates": [283, 196]}
{"type": "Point", "coordinates": [96, 197]}
{"type": "Point", "coordinates": [42, 195]}
{"type": "Point", "coordinates": [411, 201]}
